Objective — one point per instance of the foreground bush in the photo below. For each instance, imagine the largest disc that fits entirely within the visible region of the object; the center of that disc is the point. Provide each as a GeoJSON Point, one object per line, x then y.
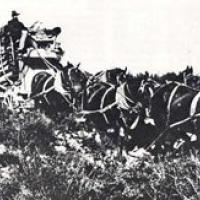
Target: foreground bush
{"type": "Point", "coordinates": [34, 168]}
{"type": "Point", "coordinates": [71, 176]}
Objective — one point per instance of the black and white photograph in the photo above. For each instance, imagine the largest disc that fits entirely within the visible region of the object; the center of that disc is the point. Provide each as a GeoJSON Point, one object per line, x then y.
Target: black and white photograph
{"type": "Point", "coordinates": [99, 100]}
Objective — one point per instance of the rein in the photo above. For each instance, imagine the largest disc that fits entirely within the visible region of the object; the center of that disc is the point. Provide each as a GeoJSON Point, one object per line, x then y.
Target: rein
{"type": "Point", "coordinates": [46, 62]}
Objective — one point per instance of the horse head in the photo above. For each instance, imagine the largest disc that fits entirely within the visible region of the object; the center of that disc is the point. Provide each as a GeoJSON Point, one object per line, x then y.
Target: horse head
{"type": "Point", "coordinates": [147, 89]}
{"type": "Point", "coordinates": [74, 78]}
{"type": "Point", "coordinates": [194, 82]}
{"type": "Point", "coordinates": [188, 70]}
{"type": "Point", "coordinates": [148, 84]}
{"type": "Point", "coordinates": [116, 76]}
{"type": "Point", "coordinates": [186, 74]}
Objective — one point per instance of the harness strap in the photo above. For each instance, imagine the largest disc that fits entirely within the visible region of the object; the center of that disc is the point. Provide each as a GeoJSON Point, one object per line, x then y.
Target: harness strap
{"type": "Point", "coordinates": [170, 101]}
{"type": "Point", "coordinates": [48, 64]}
{"type": "Point", "coordinates": [194, 103]}
{"type": "Point", "coordinates": [92, 96]}
{"type": "Point", "coordinates": [151, 92]}
{"type": "Point", "coordinates": [104, 96]}
{"type": "Point", "coordinates": [103, 110]}
{"type": "Point", "coordinates": [135, 123]}
{"type": "Point", "coordinates": [58, 83]}
{"type": "Point", "coordinates": [41, 93]}
{"type": "Point", "coordinates": [69, 75]}
{"type": "Point", "coordinates": [46, 82]}
{"type": "Point", "coordinates": [120, 97]}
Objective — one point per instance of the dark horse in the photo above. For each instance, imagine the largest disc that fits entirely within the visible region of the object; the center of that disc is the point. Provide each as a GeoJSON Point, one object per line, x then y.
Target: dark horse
{"type": "Point", "coordinates": [58, 92]}
{"type": "Point", "coordinates": [100, 99]}
{"type": "Point", "coordinates": [175, 109]}
{"type": "Point", "coordinates": [114, 109]}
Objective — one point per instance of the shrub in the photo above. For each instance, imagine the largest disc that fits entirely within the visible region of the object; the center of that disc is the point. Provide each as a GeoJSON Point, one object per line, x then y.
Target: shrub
{"type": "Point", "coordinates": [88, 168]}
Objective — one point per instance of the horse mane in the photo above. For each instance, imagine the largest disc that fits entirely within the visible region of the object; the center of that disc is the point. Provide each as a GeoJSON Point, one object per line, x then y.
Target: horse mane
{"type": "Point", "coordinates": [172, 76]}
{"type": "Point", "coordinates": [136, 80]}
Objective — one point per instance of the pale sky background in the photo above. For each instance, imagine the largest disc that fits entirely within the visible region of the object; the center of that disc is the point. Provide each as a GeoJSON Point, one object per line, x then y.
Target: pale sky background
{"type": "Point", "coordinates": [153, 35]}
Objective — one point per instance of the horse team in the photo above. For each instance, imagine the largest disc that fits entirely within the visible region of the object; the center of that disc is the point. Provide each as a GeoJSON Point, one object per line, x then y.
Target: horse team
{"type": "Point", "coordinates": [158, 114]}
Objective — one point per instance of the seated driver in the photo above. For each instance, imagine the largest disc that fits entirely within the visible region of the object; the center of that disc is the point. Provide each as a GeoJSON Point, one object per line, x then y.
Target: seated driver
{"type": "Point", "coordinates": [18, 34]}
{"type": "Point", "coordinates": [17, 31]}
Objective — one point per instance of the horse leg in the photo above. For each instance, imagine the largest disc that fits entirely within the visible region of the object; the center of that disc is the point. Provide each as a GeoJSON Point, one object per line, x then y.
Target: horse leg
{"type": "Point", "coordinates": [194, 134]}
{"type": "Point", "coordinates": [123, 130]}
{"type": "Point", "coordinates": [121, 140]}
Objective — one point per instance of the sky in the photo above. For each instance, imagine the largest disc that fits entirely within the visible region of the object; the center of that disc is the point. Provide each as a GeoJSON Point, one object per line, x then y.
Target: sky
{"type": "Point", "coordinates": [145, 35]}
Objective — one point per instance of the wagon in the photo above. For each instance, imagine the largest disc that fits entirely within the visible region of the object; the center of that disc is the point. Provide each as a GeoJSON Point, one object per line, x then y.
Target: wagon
{"type": "Point", "coordinates": [42, 53]}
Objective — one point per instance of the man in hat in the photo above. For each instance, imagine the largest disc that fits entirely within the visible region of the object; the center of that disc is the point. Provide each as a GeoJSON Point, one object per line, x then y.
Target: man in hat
{"type": "Point", "coordinates": [18, 34]}
{"type": "Point", "coordinates": [17, 31]}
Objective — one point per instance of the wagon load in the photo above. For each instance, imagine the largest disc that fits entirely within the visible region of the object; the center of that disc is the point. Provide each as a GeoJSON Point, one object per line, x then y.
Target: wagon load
{"type": "Point", "coordinates": [44, 50]}
{"type": "Point", "coordinates": [41, 52]}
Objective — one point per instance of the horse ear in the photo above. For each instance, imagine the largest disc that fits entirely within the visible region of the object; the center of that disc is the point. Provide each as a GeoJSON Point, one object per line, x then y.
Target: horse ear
{"type": "Point", "coordinates": [69, 64]}
{"type": "Point", "coordinates": [125, 69]}
{"type": "Point", "coordinates": [191, 68]}
{"type": "Point", "coordinates": [147, 74]}
{"type": "Point", "coordinates": [78, 65]}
